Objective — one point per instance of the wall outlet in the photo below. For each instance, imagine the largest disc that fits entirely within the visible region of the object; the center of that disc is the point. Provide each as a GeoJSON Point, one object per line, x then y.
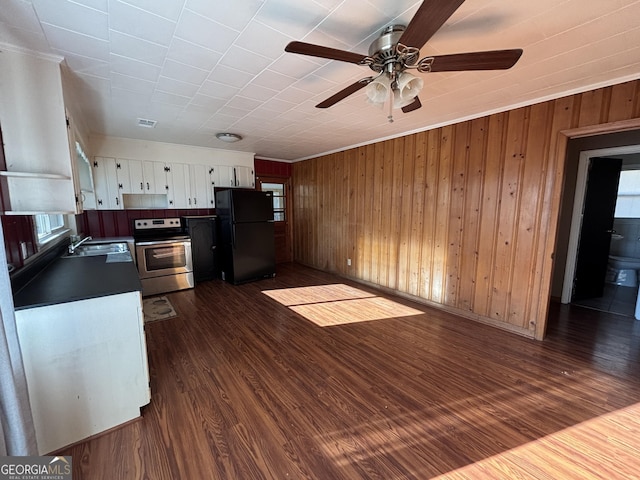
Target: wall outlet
{"type": "Point", "coordinates": [348, 262]}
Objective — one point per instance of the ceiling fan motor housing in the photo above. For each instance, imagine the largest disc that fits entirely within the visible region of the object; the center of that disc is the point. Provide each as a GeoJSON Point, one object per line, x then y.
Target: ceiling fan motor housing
{"type": "Point", "coordinates": [383, 50]}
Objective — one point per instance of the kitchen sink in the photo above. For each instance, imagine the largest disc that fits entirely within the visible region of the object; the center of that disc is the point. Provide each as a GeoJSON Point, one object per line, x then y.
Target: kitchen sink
{"type": "Point", "coordinates": [92, 250]}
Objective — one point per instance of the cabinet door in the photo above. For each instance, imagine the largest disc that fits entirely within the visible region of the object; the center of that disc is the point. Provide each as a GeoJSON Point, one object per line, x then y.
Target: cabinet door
{"type": "Point", "coordinates": [179, 188]}
{"type": "Point", "coordinates": [244, 177]}
{"type": "Point", "coordinates": [106, 184]}
{"type": "Point", "coordinates": [211, 189]}
{"type": "Point", "coordinates": [155, 178]}
{"type": "Point", "coordinates": [199, 184]}
{"type": "Point", "coordinates": [136, 175]}
{"type": "Point", "coordinates": [124, 178]}
{"type": "Point", "coordinates": [225, 176]}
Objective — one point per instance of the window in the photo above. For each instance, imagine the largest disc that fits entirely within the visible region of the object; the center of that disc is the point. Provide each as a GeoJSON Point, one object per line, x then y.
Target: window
{"type": "Point", "coordinates": [48, 226]}
{"type": "Point", "coordinates": [279, 199]}
{"type": "Point", "coordinates": [628, 203]}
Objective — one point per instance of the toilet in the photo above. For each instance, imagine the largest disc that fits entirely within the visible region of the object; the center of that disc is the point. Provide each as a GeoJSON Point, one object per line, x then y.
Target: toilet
{"type": "Point", "coordinates": [623, 271]}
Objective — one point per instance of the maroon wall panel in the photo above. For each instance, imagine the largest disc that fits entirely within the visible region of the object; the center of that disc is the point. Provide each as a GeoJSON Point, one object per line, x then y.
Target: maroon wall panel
{"type": "Point", "coordinates": [118, 223]}
{"type": "Point", "coordinates": [18, 229]}
{"type": "Point", "coordinates": [270, 168]}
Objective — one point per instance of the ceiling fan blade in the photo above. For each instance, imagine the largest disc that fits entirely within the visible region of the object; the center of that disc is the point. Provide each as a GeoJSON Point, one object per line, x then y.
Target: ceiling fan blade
{"type": "Point", "coordinates": [412, 106]}
{"type": "Point", "coordinates": [324, 52]}
{"type": "Point", "coordinates": [492, 60]}
{"type": "Point", "coordinates": [345, 92]}
{"type": "Point", "coordinates": [428, 19]}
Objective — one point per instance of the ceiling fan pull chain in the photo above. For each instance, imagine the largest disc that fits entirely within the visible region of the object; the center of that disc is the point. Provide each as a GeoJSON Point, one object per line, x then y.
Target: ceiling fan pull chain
{"type": "Point", "coordinates": [390, 102]}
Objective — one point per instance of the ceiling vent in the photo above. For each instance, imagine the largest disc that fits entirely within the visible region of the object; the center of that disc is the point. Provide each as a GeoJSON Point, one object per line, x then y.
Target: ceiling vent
{"type": "Point", "coordinates": [144, 122]}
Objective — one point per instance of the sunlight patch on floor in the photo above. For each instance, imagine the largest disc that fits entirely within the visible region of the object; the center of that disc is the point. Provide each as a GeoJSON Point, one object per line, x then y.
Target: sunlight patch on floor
{"type": "Point", "coordinates": [604, 447]}
{"type": "Point", "coordinates": [339, 304]}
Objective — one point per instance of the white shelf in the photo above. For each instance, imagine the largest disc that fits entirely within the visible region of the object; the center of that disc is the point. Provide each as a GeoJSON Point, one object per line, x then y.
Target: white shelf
{"type": "Point", "coordinates": [11, 212]}
{"type": "Point", "coordinates": [49, 176]}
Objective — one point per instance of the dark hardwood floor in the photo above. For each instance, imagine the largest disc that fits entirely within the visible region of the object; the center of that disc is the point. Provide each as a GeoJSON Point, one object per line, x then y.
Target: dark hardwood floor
{"type": "Point", "coordinates": [245, 387]}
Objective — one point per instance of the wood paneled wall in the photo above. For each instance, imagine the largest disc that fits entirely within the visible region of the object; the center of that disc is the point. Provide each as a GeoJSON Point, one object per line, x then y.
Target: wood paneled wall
{"type": "Point", "coordinates": [462, 217]}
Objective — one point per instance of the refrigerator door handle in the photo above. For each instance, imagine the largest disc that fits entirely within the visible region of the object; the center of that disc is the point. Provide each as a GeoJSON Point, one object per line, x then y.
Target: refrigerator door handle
{"type": "Point", "coordinates": [233, 236]}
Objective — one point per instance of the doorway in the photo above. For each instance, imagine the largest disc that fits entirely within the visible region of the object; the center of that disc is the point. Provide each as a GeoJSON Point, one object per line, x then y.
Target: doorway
{"type": "Point", "coordinates": [604, 292]}
{"type": "Point", "coordinates": [280, 189]}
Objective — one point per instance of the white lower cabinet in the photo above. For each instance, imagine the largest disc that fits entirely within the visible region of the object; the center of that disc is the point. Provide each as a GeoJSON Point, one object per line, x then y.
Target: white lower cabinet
{"type": "Point", "coordinates": [86, 366]}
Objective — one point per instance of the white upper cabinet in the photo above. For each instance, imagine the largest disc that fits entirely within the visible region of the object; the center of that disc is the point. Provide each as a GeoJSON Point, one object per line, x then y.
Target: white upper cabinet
{"type": "Point", "coordinates": [142, 177]}
{"type": "Point", "coordinates": [244, 177]}
{"type": "Point", "coordinates": [179, 191]}
{"type": "Point", "coordinates": [199, 183]}
{"type": "Point", "coordinates": [106, 184]}
{"type": "Point", "coordinates": [39, 163]}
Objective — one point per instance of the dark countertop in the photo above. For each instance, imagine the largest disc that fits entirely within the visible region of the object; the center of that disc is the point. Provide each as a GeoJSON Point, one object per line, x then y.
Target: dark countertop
{"type": "Point", "coordinates": [71, 279]}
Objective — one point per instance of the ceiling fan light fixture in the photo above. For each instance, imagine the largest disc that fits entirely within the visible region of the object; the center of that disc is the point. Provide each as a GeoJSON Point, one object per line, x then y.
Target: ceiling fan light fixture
{"type": "Point", "coordinates": [228, 137]}
{"type": "Point", "coordinates": [407, 88]}
{"type": "Point", "coordinates": [378, 90]}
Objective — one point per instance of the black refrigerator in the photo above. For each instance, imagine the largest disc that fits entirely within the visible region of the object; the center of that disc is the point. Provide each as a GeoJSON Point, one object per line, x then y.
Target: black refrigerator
{"type": "Point", "coordinates": [246, 242]}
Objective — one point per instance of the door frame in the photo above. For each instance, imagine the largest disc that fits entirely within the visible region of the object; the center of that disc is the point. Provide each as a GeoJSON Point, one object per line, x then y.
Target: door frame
{"type": "Point", "coordinates": [288, 207]}
{"type": "Point", "coordinates": [578, 206]}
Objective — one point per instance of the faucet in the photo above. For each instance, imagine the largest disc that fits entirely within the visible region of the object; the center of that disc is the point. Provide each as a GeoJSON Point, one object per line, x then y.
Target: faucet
{"type": "Point", "coordinates": [72, 247]}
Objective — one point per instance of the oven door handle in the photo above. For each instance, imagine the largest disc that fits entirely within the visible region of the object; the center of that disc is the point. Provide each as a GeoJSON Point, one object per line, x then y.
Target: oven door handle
{"type": "Point", "coordinates": [164, 242]}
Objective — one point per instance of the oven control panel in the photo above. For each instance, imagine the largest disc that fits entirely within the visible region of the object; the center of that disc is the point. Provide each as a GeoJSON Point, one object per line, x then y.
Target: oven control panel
{"type": "Point", "coordinates": [156, 223]}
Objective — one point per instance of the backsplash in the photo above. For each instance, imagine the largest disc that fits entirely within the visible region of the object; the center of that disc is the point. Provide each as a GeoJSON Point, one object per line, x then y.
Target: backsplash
{"type": "Point", "coordinates": [118, 223]}
{"type": "Point", "coordinates": [629, 246]}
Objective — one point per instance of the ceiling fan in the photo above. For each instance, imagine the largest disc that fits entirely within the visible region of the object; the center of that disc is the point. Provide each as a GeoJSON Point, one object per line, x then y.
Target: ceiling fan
{"type": "Point", "coordinates": [398, 50]}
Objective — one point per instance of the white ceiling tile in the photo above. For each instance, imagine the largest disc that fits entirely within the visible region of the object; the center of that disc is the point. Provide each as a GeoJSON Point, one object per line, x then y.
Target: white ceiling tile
{"type": "Point", "coordinates": [218, 90]}
{"type": "Point", "coordinates": [168, 9]}
{"type": "Point", "coordinates": [184, 73]}
{"type": "Point", "coordinates": [235, 15]}
{"type": "Point", "coordinates": [102, 5]}
{"type": "Point", "coordinates": [271, 95]}
{"type": "Point", "coordinates": [230, 76]}
{"type": "Point", "coordinates": [273, 80]}
{"type": "Point", "coordinates": [170, 98]}
{"type": "Point", "coordinates": [352, 22]}
{"type": "Point", "coordinates": [292, 17]}
{"type": "Point", "coordinates": [74, 17]}
{"type": "Point", "coordinates": [234, 112]}
{"type": "Point", "coordinates": [134, 68]}
{"type": "Point", "coordinates": [205, 101]}
{"type": "Point", "coordinates": [131, 83]}
{"type": "Point", "coordinates": [263, 40]}
{"type": "Point", "coordinates": [139, 23]}
{"type": "Point", "coordinates": [137, 49]}
{"type": "Point", "coordinates": [20, 15]}
{"type": "Point", "coordinates": [88, 66]}
{"type": "Point", "coordinates": [279, 106]}
{"type": "Point", "coordinates": [130, 97]}
{"type": "Point", "coordinates": [35, 41]}
{"type": "Point", "coordinates": [256, 92]}
{"type": "Point", "coordinates": [202, 31]}
{"type": "Point", "coordinates": [243, 103]}
{"type": "Point", "coordinates": [176, 87]}
{"type": "Point", "coordinates": [244, 60]}
{"type": "Point", "coordinates": [293, 95]}
{"type": "Point", "coordinates": [67, 41]}
{"type": "Point", "coordinates": [294, 65]}
{"type": "Point", "coordinates": [192, 54]}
